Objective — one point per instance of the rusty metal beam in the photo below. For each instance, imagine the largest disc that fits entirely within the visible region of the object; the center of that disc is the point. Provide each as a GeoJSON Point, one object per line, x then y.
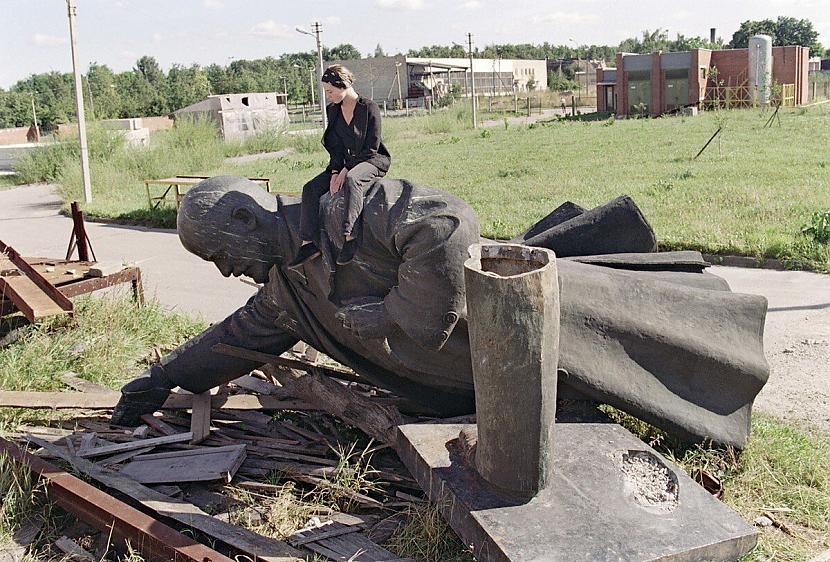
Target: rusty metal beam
{"type": "Point", "coordinates": [155, 540]}
{"type": "Point", "coordinates": [34, 275]}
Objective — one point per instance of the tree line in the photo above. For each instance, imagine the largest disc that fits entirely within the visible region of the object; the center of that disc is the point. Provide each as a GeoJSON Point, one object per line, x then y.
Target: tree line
{"type": "Point", "coordinates": [147, 90]}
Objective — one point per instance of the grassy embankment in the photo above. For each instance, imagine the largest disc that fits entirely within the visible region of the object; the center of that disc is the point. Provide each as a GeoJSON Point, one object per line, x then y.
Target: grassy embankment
{"type": "Point", "coordinates": [784, 472]}
{"type": "Point", "coordinates": [750, 193]}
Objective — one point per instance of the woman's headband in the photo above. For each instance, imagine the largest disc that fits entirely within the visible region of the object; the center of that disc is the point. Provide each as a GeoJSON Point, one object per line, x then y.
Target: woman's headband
{"type": "Point", "coordinates": [333, 78]}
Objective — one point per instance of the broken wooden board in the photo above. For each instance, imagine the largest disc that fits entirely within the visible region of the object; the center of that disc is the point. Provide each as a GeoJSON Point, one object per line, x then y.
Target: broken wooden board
{"type": "Point", "coordinates": [121, 522]}
{"type": "Point", "coordinates": [74, 551]}
{"type": "Point", "coordinates": [258, 546]}
{"type": "Point", "coordinates": [29, 299]}
{"type": "Point", "coordinates": [194, 465]}
{"type": "Point", "coordinates": [72, 380]}
{"type": "Point", "coordinates": [33, 295]}
{"type": "Point", "coordinates": [200, 418]}
{"type": "Point", "coordinates": [107, 400]}
{"type": "Point", "coordinates": [133, 445]}
{"type": "Point", "coordinates": [343, 543]}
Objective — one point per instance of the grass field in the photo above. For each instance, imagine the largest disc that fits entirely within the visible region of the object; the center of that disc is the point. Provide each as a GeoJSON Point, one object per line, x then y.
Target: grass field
{"type": "Point", "coordinates": [749, 193]}
{"type": "Point", "coordinates": [785, 470]}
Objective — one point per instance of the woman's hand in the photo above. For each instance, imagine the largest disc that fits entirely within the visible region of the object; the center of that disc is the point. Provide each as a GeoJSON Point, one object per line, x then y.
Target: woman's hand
{"type": "Point", "coordinates": [337, 181]}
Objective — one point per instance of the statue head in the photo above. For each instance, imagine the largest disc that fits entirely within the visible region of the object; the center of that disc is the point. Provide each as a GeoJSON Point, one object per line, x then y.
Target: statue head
{"type": "Point", "coordinates": [233, 223]}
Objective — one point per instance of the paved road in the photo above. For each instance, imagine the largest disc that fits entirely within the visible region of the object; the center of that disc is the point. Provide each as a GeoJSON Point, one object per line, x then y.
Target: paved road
{"type": "Point", "coordinates": [797, 336]}
{"type": "Point", "coordinates": [29, 221]}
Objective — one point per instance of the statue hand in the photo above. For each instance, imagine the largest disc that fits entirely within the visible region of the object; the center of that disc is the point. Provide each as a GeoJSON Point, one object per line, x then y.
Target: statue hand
{"type": "Point", "coordinates": [367, 320]}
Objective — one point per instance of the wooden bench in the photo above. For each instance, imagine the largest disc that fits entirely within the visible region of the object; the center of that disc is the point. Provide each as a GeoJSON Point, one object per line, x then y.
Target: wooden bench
{"type": "Point", "coordinates": [175, 184]}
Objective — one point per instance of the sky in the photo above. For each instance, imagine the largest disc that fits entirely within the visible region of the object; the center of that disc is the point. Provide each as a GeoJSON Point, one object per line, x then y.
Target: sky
{"type": "Point", "coordinates": [34, 34]}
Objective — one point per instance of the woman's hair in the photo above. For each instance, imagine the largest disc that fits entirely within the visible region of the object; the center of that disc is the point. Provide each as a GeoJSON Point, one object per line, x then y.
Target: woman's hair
{"type": "Point", "coordinates": [338, 76]}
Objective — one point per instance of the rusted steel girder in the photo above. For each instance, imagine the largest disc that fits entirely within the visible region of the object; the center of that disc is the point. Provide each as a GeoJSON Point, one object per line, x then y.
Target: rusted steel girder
{"type": "Point", "coordinates": [155, 540]}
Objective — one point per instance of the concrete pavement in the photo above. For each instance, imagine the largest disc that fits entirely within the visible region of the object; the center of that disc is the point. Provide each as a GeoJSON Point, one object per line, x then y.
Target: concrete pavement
{"type": "Point", "coordinates": [31, 223]}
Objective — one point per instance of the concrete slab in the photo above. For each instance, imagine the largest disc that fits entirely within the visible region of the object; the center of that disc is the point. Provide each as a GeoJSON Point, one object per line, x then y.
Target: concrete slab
{"type": "Point", "coordinates": [602, 505]}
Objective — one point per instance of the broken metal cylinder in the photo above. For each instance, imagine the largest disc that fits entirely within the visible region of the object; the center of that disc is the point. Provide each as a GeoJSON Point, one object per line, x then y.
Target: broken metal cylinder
{"type": "Point", "coordinates": [513, 319]}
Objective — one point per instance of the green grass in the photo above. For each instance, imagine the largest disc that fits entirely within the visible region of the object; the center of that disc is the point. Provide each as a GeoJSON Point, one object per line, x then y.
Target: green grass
{"type": "Point", "coordinates": [749, 193]}
{"type": "Point", "coordinates": [110, 340]}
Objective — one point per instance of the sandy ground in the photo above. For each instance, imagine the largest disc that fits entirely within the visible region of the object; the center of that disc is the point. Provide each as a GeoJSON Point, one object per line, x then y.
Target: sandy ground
{"type": "Point", "coordinates": [797, 335]}
{"type": "Point", "coordinates": [796, 341]}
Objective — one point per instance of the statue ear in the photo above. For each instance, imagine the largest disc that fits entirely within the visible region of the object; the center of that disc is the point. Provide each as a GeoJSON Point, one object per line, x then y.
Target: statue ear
{"type": "Point", "coordinates": [246, 216]}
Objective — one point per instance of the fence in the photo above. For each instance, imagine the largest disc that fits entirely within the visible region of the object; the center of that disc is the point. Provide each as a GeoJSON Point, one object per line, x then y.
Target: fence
{"type": "Point", "coordinates": [818, 86]}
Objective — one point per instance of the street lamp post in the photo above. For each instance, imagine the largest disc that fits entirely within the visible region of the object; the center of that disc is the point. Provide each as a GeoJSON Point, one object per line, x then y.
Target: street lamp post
{"type": "Point", "coordinates": [472, 78]}
{"type": "Point", "coordinates": [316, 34]}
{"type": "Point", "coordinates": [79, 104]}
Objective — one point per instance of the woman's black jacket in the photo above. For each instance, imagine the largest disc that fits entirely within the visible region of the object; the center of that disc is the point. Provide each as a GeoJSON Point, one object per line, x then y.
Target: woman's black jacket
{"type": "Point", "coordinates": [368, 144]}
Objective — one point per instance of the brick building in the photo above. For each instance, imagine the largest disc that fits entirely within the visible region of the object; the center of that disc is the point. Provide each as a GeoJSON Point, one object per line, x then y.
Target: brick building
{"type": "Point", "coordinates": [658, 82]}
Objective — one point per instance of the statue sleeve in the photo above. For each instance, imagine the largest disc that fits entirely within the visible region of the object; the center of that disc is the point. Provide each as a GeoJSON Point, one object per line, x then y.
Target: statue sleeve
{"type": "Point", "coordinates": [196, 368]}
{"type": "Point", "coordinates": [429, 297]}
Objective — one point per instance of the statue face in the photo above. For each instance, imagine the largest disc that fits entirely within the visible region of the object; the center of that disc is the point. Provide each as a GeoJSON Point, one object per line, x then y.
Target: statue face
{"type": "Point", "coordinates": [230, 263]}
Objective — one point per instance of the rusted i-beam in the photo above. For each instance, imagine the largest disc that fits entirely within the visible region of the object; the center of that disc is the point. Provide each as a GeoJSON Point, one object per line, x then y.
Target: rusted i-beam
{"type": "Point", "coordinates": [155, 540]}
{"type": "Point", "coordinates": [59, 299]}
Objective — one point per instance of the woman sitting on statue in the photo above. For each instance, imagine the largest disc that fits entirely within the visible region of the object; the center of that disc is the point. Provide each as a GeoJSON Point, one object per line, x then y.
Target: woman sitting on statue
{"type": "Point", "coordinates": [357, 158]}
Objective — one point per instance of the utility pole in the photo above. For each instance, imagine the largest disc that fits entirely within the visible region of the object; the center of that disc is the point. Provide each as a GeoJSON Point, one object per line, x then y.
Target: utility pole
{"type": "Point", "coordinates": [317, 29]}
{"type": "Point", "coordinates": [79, 103]}
{"type": "Point", "coordinates": [285, 89]}
{"type": "Point", "coordinates": [34, 118]}
{"type": "Point", "coordinates": [311, 82]}
{"type": "Point", "coordinates": [472, 77]}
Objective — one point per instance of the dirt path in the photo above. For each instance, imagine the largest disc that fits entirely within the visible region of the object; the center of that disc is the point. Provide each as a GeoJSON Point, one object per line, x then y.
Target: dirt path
{"type": "Point", "coordinates": [796, 341]}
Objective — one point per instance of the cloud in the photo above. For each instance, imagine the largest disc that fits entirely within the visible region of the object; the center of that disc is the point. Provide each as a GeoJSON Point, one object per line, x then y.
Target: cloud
{"type": "Point", "coordinates": [566, 17]}
{"type": "Point", "coordinates": [405, 5]}
{"type": "Point", "coordinates": [270, 28]}
{"type": "Point", "coordinates": [43, 40]}
{"type": "Point", "coordinates": [471, 5]}
{"type": "Point", "coordinates": [213, 4]}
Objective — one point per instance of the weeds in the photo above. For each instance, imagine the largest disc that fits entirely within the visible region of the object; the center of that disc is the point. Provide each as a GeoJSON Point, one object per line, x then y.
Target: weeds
{"type": "Point", "coordinates": [20, 495]}
{"type": "Point", "coordinates": [352, 475]}
{"type": "Point", "coordinates": [818, 229]}
{"type": "Point", "coordinates": [427, 537]}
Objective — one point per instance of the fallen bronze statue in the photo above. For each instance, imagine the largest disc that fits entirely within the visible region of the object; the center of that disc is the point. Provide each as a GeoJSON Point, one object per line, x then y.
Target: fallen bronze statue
{"type": "Point", "coordinates": [581, 306]}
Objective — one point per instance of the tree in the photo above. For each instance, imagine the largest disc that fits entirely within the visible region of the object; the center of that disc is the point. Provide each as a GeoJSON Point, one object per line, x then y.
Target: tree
{"type": "Point", "coordinates": [346, 51]}
{"type": "Point", "coordinates": [186, 85]}
{"type": "Point", "coordinates": [379, 51]}
{"type": "Point", "coordinates": [105, 96]}
{"type": "Point", "coordinates": [784, 31]}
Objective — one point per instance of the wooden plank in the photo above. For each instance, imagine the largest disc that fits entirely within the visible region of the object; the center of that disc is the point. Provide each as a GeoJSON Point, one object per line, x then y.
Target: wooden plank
{"type": "Point", "coordinates": [257, 546]}
{"type": "Point", "coordinates": [160, 426]}
{"type": "Point", "coordinates": [72, 380]}
{"type": "Point", "coordinates": [29, 299]}
{"type": "Point", "coordinates": [53, 293]}
{"type": "Point", "coordinates": [139, 444]}
{"type": "Point", "coordinates": [126, 455]}
{"type": "Point", "coordinates": [200, 465]}
{"type": "Point", "coordinates": [200, 418]}
{"type": "Point", "coordinates": [323, 532]}
{"type": "Point", "coordinates": [73, 550]}
{"type": "Point", "coordinates": [154, 539]}
{"type": "Point", "coordinates": [106, 400]}
{"type": "Point", "coordinates": [267, 358]}
{"type": "Point", "coordinates": [256, 385]}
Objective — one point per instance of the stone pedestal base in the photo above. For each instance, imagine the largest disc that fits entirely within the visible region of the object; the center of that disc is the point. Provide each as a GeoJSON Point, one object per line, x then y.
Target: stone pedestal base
{"type": "Point", "coordinates": [612, 498]}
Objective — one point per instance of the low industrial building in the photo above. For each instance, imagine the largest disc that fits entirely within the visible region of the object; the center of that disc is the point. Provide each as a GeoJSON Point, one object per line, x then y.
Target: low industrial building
{"type": "Point", "coordinates": [419, 78]}
{"type": "Point", "coordinates": [239, 116]}
{"type": "Point", "coordinates": [658, 83]}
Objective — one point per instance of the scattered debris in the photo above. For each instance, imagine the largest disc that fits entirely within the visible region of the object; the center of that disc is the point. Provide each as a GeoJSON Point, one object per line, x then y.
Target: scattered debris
{"type": "Point", "coordinates": [193, 465]}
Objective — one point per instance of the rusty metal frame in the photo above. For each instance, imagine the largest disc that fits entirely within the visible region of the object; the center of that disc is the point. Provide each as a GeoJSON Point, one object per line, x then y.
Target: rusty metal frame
{"type": "Point", "coordinates": [43, 284]}
{"type": "Point", "coordinates": [130, 275]}
{"type": "Point", "coordinates": [154, 539]}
